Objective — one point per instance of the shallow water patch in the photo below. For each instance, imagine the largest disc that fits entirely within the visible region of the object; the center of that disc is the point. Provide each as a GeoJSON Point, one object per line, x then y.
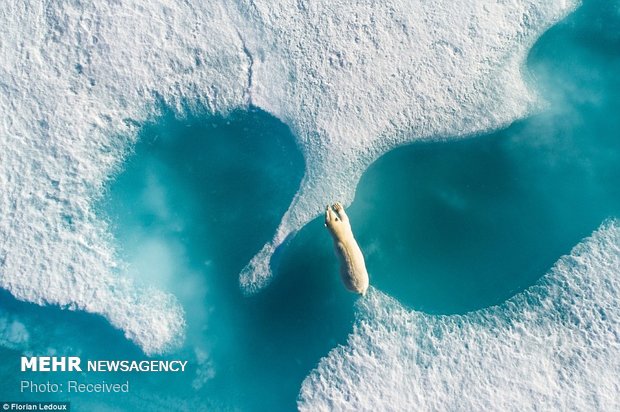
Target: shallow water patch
{"type": "Point", "coordinates": [195, 199]}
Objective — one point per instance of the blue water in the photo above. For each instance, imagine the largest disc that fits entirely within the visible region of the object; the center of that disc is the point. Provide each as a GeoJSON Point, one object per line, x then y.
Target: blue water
{"type": "Point", "coordinates": [208, 193]}
{"type": "Point", "coordinates": [446, 227]}
{"type": "Point", "coordinates": [471, 223]}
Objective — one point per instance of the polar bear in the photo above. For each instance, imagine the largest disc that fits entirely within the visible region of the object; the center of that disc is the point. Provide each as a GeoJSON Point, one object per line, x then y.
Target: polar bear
{"type": "Point", "coordinates": [352, 265]}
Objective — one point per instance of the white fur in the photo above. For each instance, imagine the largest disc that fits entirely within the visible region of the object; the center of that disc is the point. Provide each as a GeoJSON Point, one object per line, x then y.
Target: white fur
{"type": "Point", "coordinates": [352, 265]}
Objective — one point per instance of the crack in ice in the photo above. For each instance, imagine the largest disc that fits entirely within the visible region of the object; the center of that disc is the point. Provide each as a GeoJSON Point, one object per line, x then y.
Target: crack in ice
{"type": "Point", "coordinates": [250, 58]}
